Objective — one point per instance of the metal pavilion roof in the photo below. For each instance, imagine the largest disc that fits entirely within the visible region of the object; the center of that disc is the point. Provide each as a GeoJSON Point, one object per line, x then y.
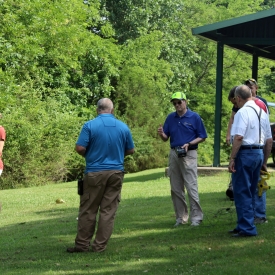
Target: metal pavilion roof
{"type": "Point", "coordinates": [253, 33]}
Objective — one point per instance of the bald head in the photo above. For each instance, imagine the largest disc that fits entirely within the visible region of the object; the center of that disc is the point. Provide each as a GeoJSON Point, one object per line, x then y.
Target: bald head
{"type": "Point", "coordinates": [242, 95]}
{"type": "Point", "coordinates": [105, 105]}
{"type": "Point", "coordinates": [243, 92]}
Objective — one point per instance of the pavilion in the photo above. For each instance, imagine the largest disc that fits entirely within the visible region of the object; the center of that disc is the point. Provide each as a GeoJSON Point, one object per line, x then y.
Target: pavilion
{"type": "Point", "coordinates": [253, 34]}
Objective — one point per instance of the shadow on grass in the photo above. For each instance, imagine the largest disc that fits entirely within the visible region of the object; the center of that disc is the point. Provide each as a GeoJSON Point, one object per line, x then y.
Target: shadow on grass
{"type": "Point", "coordinates": [142, 178]}
{"type": "Point", "coordinates": [143, 241]}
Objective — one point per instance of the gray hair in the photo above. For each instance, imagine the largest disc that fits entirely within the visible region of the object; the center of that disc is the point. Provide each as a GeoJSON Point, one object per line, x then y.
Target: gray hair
{"type": "Point", "coordinates": [105, 104]}
{"type": "Point", "coordinates": [243, 92]}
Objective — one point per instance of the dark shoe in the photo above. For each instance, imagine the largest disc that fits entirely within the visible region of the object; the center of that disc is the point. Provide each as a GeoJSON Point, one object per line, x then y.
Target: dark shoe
{"type": "Point", "coordinates": [241, 235]}
{"type": "Point", "coordinates": [260, 220]}
{"type": "Point", "coordinates": [234, 231]}
{"type": "Point", "coordinates": [74, 249]}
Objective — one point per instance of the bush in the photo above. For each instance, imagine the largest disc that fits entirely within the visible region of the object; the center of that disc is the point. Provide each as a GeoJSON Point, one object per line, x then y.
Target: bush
{"type": "Point", "coordinates": [40, 144]}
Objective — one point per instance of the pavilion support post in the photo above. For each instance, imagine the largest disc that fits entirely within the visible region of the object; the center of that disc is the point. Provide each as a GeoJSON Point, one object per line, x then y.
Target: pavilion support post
{"type": "Point", "coordinates": [218, 105]}
{"type": "Point", "coordinates": [255, 62]}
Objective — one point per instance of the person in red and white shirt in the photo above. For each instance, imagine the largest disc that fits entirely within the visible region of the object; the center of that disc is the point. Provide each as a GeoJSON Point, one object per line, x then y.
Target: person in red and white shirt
{"type": "Point", "coordinates": [2, 142]}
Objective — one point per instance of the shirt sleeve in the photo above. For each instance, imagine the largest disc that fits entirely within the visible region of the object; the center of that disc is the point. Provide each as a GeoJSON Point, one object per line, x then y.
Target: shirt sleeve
{"type": "Point", "coordinates": [129, 141]}
{"type": "Point", "coordinates": [84, 136]}
{"type": "Point", "coordinates": [239, 126]}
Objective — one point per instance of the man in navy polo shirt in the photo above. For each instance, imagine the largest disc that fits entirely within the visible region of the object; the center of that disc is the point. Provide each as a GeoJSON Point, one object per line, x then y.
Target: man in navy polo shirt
{"type": "Point", "coordinates": [185, 130]}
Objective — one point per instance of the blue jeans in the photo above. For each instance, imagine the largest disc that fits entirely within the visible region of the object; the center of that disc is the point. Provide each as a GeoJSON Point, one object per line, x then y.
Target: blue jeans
{"type": "Point", "coordinates": [248, 164]}
{"type": "Point", "coordinates": [259, 204]}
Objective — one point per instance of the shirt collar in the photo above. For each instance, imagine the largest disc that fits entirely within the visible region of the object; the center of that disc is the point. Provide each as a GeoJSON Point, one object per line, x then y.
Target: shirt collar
{"type": "Point", "coordinates": [185, 115]}
{"type": "Point", "coordinates": [250, 103]}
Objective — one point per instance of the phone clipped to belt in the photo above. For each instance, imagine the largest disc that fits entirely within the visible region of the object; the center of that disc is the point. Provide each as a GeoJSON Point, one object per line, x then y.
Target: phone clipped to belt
{"type": "Point", "coordinates": [80, 187]}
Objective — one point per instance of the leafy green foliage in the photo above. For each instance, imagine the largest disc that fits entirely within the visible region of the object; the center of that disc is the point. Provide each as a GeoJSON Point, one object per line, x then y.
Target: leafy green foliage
{"type": "Point", "coordinates": [57, 58]}
{"type": "Point", "coordinates": [39, 142]}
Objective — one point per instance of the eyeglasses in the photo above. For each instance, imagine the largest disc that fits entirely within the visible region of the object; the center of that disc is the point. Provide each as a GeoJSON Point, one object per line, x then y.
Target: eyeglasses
{"type": "Point", "coordinates": [177, 103]}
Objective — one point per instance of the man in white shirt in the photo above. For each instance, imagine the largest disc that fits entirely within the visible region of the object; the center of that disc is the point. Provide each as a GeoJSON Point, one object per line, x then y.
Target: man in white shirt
{"type": "Point", "coordinates": [251, 148]}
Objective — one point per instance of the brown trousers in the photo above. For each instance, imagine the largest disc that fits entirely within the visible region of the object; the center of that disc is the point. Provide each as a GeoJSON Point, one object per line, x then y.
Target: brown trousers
{"type": "Point", "coordinates": [101, 194]}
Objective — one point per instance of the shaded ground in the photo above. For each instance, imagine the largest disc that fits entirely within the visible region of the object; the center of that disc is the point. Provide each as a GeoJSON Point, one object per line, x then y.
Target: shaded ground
{"type": "Point", "coordinates": [210, 170]}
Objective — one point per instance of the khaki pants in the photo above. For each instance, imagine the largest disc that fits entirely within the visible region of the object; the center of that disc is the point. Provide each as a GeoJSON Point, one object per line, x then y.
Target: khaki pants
{"type": "Point", "coordinates": [101, 193]}
{"type": "Point", "coordinates": [183, 175]}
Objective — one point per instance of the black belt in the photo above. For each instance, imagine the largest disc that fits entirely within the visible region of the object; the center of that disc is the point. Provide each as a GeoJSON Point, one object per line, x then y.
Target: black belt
{"type": "Point", "coordinates": [248, 147]}
{"type": "Point", "coordinates": [189, 149]}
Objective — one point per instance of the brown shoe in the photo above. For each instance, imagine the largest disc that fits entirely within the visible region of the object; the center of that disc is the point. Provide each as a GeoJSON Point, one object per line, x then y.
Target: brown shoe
{"type": "Point", "coordinates": [75, 249]}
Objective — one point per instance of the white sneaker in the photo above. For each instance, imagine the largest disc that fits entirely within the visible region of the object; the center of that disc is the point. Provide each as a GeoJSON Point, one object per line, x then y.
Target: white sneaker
{"type": "Point", "coordinates": [195, 223]}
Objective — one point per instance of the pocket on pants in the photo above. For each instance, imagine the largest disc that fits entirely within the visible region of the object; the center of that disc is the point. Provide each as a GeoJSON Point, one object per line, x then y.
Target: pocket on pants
{"type": "Point", "coordinates": [94, 179]}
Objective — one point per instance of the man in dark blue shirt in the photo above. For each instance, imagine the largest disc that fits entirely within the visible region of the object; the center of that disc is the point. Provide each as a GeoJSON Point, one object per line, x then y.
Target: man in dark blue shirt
{"type": "Point", "coordinates": [185, 130]}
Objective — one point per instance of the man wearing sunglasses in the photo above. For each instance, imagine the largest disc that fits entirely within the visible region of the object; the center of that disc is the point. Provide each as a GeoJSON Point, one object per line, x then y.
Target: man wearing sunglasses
{"type": "Point", "coordinates": [185, 130]}
{"type": "Point", "coordinates": [253, 85]}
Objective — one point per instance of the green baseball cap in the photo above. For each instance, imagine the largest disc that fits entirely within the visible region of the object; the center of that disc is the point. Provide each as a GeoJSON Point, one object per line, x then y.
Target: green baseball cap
{"type": "Point", "coordinates": [178, 95]}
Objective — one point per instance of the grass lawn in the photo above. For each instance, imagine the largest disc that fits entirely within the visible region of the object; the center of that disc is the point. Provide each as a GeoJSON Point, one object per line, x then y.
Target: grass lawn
{"type": "Point", "coordinates": [35, 232]}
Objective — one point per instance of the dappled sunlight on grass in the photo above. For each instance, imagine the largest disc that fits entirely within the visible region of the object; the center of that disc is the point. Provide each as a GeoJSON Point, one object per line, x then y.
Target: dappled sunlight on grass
{"type": "Point", "coordinates": [35, 232]}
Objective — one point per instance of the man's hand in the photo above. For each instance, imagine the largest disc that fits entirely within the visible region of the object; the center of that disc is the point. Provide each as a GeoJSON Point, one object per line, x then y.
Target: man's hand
{"type": "Point", "coordinates": [264, 167]}
{"type": "Point", "coordinates": [228, 138]}
{"type": "Point", "coordinates": [231, 166]}
{"type": "Point", "coordinates": [80, 150]}
{"type": "Point", "coordinates": [160, 130]}
{"type": "Point", "coordinates": [161, 133]}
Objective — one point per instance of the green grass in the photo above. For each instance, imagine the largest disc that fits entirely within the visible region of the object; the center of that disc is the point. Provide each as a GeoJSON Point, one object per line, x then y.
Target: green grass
{"type": "Point", "coordinates": [35, 232]}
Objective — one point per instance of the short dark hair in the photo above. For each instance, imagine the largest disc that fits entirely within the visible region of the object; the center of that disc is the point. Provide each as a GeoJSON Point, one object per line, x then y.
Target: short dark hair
{"type": "Point", "coordinates": [105, 104]}
{"type": "Point", "coordinates": [232, 93]}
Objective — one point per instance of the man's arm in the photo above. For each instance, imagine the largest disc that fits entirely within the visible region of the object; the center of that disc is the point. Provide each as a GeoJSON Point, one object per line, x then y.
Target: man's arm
{"type": "Point", "coordinates": [231, 120]}
{"type": "Point", "coordinates": [237, 142]}
{"type": "Point", "coordinates": [80, 150]}
{"type": "Point", "coordinates": [193, 142]}
{"type": "Point", "coordinates": [129, 152]}
{"type": "Point", "coordinates": [267, 151]}
{"type": "Point", "coordinates": [2, 142]}
{"type": "Point", "coordinates": [2, 138]}
{"type": "Point", "coordinates": [162, 134]}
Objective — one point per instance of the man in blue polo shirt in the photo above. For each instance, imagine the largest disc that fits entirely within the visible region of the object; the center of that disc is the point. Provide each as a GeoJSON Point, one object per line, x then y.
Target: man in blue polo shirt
{"type": "Point", "coordinates": [104, 142]}
{"type": "Point", "coordinates": [185, 130]}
